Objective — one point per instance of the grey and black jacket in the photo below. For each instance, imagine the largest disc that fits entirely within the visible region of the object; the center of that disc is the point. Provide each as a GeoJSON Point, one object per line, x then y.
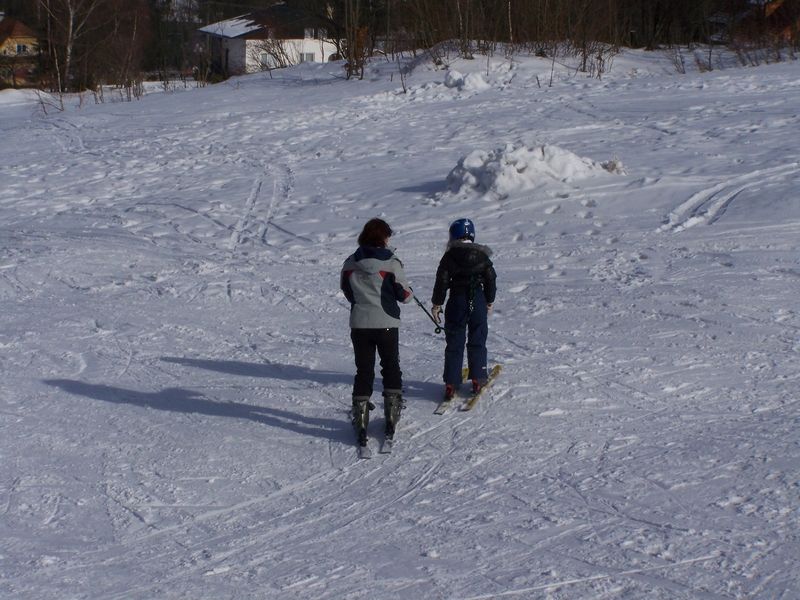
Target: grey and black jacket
{"type": "Point", "coordinates": [463, 265]}
{"type": "Point", "coordinates": [374, 282]}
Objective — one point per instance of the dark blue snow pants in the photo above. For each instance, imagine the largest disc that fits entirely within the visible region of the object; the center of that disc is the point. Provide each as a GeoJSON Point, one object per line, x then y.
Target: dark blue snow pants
{"type": "Point", "coordinates": [461, 328]}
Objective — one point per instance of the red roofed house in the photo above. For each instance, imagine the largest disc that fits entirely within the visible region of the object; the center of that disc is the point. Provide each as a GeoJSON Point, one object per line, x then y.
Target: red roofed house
{"type": "Point", "coordinates": [19, 52]}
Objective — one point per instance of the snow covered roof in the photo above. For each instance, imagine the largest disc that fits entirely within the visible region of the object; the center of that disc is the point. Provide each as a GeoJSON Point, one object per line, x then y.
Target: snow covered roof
{"type": "Point", "coordinates": [259, 22]}
{"type": "Point", "coordinates": [232, 28]}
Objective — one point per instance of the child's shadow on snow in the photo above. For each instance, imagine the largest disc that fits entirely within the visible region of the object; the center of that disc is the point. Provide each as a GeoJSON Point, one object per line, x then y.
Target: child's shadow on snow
{"type": "Point", "coordinates": [429, 188]}
{"type": "Point", "coordinates": [191, 402]}
{"type": "Point", "coordinates": [416, 391]}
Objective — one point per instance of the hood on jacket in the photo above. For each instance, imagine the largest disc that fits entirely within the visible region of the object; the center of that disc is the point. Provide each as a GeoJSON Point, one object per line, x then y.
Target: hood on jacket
{"type": "Point", "coordinates": [469, 253]}
{"type": "Point", "coordinates": [368, 259]}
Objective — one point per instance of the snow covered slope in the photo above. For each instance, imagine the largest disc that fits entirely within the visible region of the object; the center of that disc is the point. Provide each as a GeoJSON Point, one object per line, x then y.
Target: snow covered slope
{"type": "Point", "coordinates": [176, 366]}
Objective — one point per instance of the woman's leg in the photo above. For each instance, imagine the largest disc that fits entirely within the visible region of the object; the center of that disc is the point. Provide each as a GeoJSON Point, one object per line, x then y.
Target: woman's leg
{"type": "Point", "coordinates": [388, 342]}
{"type": "Point", "coordinates": [364, 348]}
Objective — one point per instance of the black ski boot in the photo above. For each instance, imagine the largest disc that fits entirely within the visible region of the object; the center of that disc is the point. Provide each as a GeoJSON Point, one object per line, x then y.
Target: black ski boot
{"type": "Point", "coordinates": [392, 407]}
{"type": "Point", "coordinates": [360, 415]}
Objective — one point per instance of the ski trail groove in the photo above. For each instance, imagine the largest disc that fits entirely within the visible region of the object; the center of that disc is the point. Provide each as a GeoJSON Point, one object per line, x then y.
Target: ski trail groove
{"type": "Point", "coordinates": [241, 224]}
{"type": "Point", "coordinates": [556, 584]}
{"type": "Point", "coordinates": [281, 190]}
{"type": "Point", "coordinates": [691, 212]}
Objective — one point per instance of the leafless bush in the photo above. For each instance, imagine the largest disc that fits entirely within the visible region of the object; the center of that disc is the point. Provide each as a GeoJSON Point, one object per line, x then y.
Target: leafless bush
{"type": "Point", "coordinates": [675, 55]}
{"type": "Point", "coordinates": [703, 64]}
{"type": "Point", "coordinates": [270, 54]}
{"type": "Point", "coordinates": [48, 102]}
{"type": "Point", "coordinates": [596, 58]}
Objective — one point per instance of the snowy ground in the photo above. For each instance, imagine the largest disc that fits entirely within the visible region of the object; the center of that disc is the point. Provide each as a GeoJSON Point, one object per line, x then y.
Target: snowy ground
{"type": "Point", "coordinates": [176, 365]}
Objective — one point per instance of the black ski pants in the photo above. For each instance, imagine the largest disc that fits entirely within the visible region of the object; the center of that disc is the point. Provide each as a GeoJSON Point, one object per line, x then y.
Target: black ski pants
{"type": "Point", "coordinates": [365, 343]}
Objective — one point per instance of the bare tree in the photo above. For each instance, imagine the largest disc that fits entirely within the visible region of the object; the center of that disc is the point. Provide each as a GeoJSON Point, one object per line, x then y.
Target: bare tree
{"type": "Point", "coordinates": [68, 23]}
{"type": "Point", "coordinates": [120, 61]}
{"type": "Point", "coordinates": [355, 38]}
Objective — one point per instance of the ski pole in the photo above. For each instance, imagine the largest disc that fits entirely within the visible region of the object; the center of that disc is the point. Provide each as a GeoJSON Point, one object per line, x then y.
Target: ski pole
{"type": "Point", "coordinates": [439, 329]}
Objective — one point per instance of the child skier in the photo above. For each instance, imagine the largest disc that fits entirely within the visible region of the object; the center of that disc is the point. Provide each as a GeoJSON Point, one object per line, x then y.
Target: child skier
{"type": "Point", "coordinates": [467, 271]}
{"type": "Point", "coordinates": [373, 280]}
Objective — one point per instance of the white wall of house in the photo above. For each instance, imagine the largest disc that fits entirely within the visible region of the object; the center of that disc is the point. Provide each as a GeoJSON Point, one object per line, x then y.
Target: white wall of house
{"type": "Point", "coordinates": [234, 55]}
{"type": "Point", "coordinates": [260, 55]}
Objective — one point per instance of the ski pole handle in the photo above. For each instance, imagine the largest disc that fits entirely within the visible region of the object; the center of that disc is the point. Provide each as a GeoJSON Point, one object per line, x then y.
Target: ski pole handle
{"type": "Point", "coordinates": [439, 329]}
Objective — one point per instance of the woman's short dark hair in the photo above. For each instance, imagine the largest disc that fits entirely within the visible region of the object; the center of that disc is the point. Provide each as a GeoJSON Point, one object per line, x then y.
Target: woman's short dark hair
{"type": "Point", "coordinates": [375, 233]}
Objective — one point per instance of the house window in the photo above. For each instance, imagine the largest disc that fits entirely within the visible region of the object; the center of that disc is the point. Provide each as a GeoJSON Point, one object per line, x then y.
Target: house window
{"type": "Point", "coordinates": [268, 61]}
{"type": "Point", "coordinates": [271, 33]}
{"type": "Point", "coordinates": [309, 33]}
{"type": "Point", "coordinates": [306, 57]}
{"type": "Point", "coordinates": [22, 48]}
{"type": "Point", "coordinates": [322, 34]}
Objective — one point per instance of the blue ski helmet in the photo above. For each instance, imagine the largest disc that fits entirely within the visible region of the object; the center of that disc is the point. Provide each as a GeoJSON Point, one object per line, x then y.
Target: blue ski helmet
{"type": "Point", "coordinates": [462, 228]}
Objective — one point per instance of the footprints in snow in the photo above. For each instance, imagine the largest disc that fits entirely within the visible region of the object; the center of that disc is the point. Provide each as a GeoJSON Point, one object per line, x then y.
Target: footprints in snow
{"type": "Point", "coordinates": [554, 209]}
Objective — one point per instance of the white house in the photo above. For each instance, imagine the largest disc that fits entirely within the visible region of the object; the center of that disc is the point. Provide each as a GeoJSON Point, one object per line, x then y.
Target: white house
{"type": "Point", "coordinates": [275, 37]}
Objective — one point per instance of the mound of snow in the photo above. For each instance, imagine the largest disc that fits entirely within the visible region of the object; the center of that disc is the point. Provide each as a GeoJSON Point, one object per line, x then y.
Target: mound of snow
{"type": "Point", "coordinates": [471, 82]}
{"type": "Point", "coordinates": [11, 97]}
{"type": "Point", "coordinates": [474, 82]}
{"type": "Point", "coordinates": [453, 79]}
{"type": "Point", "coordinates": [518, 167]}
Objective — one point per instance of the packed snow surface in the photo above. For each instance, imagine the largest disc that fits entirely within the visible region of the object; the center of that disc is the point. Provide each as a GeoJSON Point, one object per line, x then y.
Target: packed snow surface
{"type": "Point", "coordinates": [177, 369]}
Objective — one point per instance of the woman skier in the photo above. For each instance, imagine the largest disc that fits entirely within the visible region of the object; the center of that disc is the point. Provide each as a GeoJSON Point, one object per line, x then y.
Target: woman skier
{"type": "Point", "coordinates": [467, 271]}
{"type": "Point", "coordinates": [374, 282]}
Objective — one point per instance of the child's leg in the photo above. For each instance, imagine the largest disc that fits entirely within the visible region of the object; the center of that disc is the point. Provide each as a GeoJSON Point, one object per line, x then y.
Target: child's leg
{"type": "Point", "coordinates": [455, 317]}
{"type": "Point", "coordinates": [478, 332]}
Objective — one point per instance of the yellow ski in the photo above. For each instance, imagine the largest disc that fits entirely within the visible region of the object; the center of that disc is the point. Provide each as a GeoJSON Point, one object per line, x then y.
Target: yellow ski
{"type": "Point", "coordinates": [473, 400]}
{"type": "Point", "coordinates": [445, 404]}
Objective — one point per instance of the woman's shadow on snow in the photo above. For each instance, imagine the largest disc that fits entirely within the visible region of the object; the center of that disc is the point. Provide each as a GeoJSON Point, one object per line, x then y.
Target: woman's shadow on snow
{"type": "Point", "coordinates": [417, 389]}
{"type": "Point", "coordinates": [267, 370]}
{"type": "Point", "coordinates": [191, 402]}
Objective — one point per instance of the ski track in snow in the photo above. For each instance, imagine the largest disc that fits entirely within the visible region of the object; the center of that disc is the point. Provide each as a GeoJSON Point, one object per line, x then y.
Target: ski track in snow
{"type": "Point", "coordinates": [708, 205]}
{"type": "Point", "coordinates": [176, 368]}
